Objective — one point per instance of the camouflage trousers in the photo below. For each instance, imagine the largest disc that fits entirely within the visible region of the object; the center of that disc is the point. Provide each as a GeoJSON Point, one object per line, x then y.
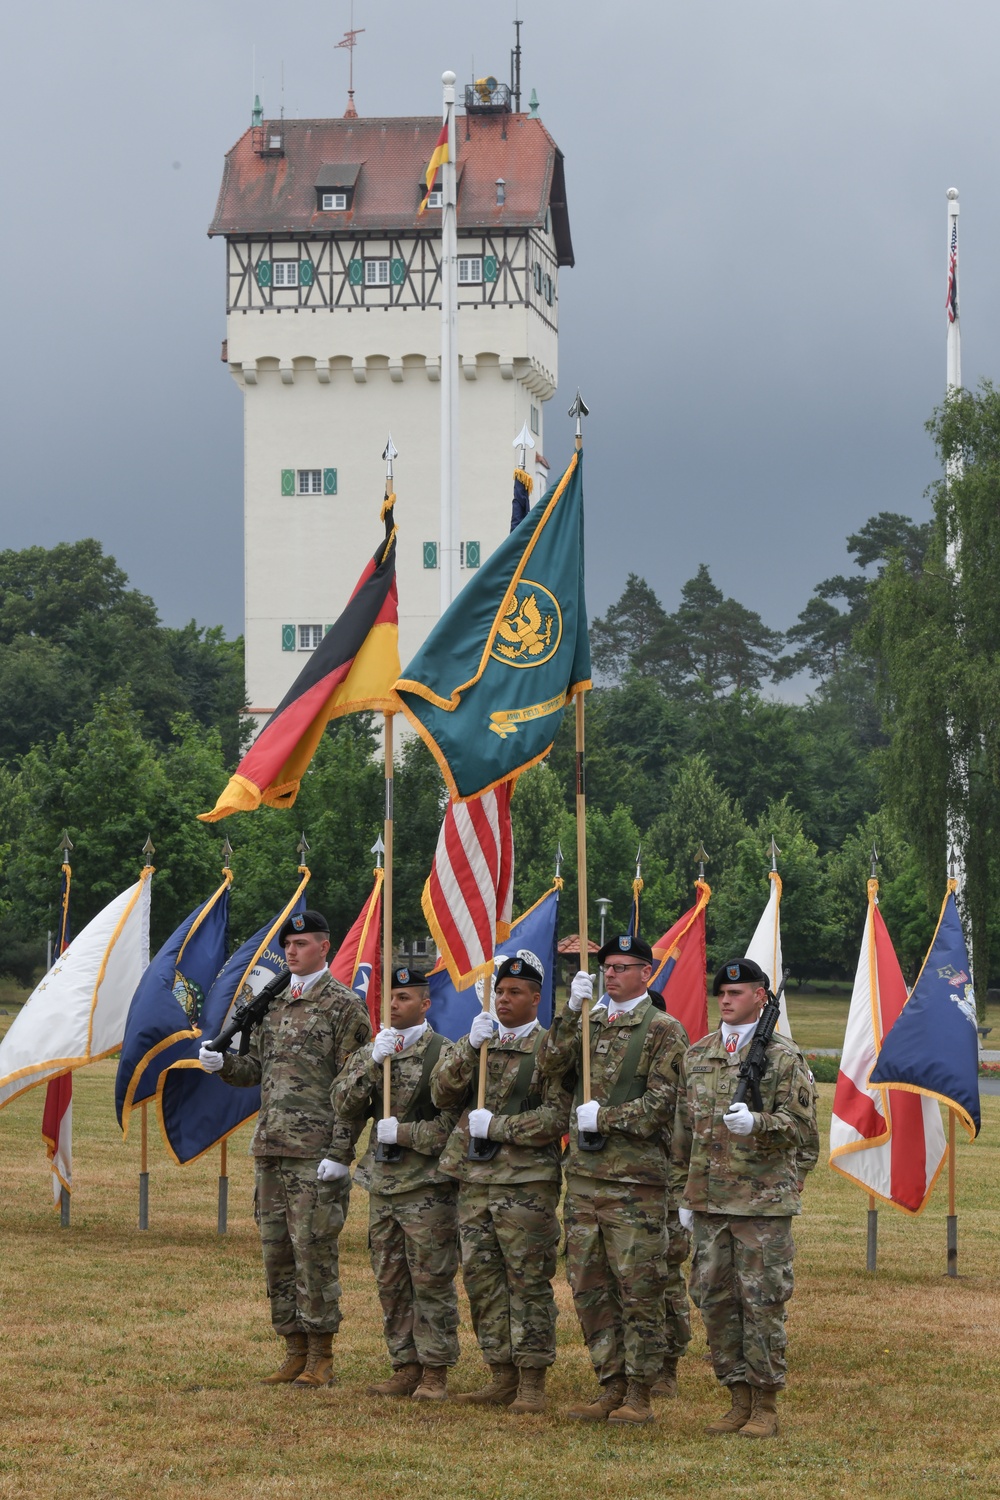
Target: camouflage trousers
{"type": "Point", "coordinates": [509, 1236]}
{"type": "Point", "coordinates": [741, 1277]}
{"type": "Point", "coordinates": [616, 1264]}
{"type": "Point", "coordinates": [413, 1246]}
{"type": "Point", "coordinates": [677, 1313]}
{"type": "Point", "coordinates": [300, 1220]}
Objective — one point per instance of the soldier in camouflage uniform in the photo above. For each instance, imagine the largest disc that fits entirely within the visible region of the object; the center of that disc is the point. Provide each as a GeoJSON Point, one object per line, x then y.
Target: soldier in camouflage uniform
{"type": "Point", "coordinates": [616, 1238]}
{"type": "Point", "coordinates": [302, 1151]}
{"type": "Point", "coordinates": [413, 1213]}
{"type": "Point", "coordinates": [741, 1172]}
{"type": "Point", "coordinates": [507, 1197]}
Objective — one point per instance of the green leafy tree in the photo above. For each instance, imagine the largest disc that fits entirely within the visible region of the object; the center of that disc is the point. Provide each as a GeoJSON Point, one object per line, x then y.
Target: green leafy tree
{"type": "Point", "coordinates": [699, 811]}
{"type": "Point", "coordinates": [712, 644]}
{"type": "Point", "coordinates": [907, 905]}
{"type": "Point", "coordinates": [618, 642]}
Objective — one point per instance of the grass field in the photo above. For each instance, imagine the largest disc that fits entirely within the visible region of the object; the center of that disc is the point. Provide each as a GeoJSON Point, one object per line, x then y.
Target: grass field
{"type": "Point", "coordinates": [131, 1359]}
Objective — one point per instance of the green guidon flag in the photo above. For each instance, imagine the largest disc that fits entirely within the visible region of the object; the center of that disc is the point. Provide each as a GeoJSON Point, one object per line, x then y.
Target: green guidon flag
{"type": "Point", "coordinates": [487, 689]}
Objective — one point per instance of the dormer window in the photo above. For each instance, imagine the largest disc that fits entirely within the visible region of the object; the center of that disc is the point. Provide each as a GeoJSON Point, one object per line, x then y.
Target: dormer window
{"type": "Point", "coordinates": [434, 198]}
{"type": "Point", "coordinates": [333, 202]}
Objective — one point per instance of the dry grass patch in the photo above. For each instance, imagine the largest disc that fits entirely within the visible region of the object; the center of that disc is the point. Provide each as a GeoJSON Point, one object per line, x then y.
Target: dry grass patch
{"type": "Point", "coordinates": [131, 1360]}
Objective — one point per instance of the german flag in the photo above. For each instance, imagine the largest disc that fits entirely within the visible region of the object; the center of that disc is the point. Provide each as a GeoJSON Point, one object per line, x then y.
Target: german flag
{"type": "Point", "coordinates": [438, 158]}
{"type": "Point", "coordinates": [353, 668]}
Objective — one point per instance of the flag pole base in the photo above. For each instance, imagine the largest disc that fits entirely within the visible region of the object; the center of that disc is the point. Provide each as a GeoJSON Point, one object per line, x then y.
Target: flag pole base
{"type": "Point", "coordinates": [871, 1264]}
{"type": "Point", "coordinates": [952, 1222]}
{"type": "Point", "coordinates": [143, 1200]}
{"type": "Point", "coordinates": [223, 1204]}
{"type": "Point", "coordinates": [63, 1208]}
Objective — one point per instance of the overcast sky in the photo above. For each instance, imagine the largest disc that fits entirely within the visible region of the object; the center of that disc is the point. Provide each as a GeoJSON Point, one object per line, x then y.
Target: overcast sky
{"type": "Point", "coordinates": [756, 317]}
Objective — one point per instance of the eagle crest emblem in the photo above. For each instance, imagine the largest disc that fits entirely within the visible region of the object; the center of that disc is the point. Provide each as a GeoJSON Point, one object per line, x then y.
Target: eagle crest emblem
{"type": "Point", "coordinates": [530, 628]}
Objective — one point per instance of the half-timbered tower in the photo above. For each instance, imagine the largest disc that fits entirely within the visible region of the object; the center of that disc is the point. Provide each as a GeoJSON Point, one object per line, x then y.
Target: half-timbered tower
{"type": "Point", "coordinates": [333, 323]}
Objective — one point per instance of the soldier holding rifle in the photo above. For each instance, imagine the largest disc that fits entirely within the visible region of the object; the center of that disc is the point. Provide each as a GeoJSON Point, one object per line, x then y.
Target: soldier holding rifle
{"type": "Point", "coordinates": [413, 1216]}
{"type": "Point", "coordinates": [740, 1164]}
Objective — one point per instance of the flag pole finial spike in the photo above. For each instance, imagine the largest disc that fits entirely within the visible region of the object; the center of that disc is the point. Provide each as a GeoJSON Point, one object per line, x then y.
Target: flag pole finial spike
{"type": "Point", "coordinates": [559, 859]}
{"type": "Point", "coordinates": [227, 852]}
{"type": "Point", "coordinates": [702, 857]}
{"type": "Point", "coordinates": [638, 860]}
{"type": "Point", "coordinates": [149, 849]}
{"type": "Point", "coordinates": [302, 848]}
{"type": "Point", "coordinates": [524, 441]}
{"type": "Point", "coordinates": [874, 874]}
{"type": "Point", "coordinates": [579, 410]}
{"type": "Point", "coordinates": [951, 864]}
{"type": "Point", "coordinates": [389, 452]}
{"type": "Point", "coordinates": [378, 849]}
{"type": "Point", "coordinates": [775, 851]}
{"type": "Point", "coordinates": [66, 845]}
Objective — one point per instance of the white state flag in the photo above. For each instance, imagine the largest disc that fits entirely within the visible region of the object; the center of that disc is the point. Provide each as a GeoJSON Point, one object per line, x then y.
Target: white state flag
{"type": "Point", "coordinates": [76, 1014]}
{"type": "Point", "coordinates": [765, 946]}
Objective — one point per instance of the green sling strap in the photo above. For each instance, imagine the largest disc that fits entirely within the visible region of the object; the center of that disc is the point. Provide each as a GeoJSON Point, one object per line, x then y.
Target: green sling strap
{"type": "Point", "coordinates": [421, 1106]}
{"type": "Point", "coordinates": [628, 1084]}
{"type": "Point", "coordinates": [518, 1098]}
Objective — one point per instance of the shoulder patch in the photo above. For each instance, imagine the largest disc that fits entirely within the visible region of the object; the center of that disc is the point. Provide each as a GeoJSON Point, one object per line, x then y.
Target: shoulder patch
{"type": "Point", "coordinates": [361, 1035]}
{"type": "Point", "coordinates": [804, 1098]}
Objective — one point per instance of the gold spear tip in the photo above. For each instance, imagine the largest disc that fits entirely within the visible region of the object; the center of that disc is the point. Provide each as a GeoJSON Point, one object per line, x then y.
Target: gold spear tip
{"type": "Point", "coordinates": [227, 853]}
{"type": "Point", "coordinates": [67, 844]}
{"type": "Point", "coordinates": [149, 848]}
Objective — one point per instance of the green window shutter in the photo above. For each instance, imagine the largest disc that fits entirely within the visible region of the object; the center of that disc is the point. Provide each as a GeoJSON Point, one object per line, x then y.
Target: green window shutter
{"type": "Point", "coordinates": [355, 271]}
{"type": "Point", "coordinates": [472, 554]}
{"type": "Point", "coordinates": [306, 272]}
{"type": "Point", "coordinates": [288, 637]}
{"type": "Point", "coordinates": [397, 272]}
{"type": "Point", "coordinates": [329, 481]}
{"type": "Point", "coordinates": [288, 481]}
{"type": "Point", "coordinates": [263, 273]}
{"type": "Point", "coordinates": [430, 554]}
{"type": "Point", "coordinates": [489, 268]}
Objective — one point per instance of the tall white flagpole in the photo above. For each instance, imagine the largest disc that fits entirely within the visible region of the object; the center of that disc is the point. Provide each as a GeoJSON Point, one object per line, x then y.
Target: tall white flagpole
{"type": "Point", "coordinates": [449, 559]}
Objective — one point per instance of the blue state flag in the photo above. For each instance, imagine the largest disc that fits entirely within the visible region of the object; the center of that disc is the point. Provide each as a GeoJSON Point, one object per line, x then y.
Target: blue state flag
{"type": "Point", "coordinates": [933, 1047]}
{"type": "Point", "coordinates": [166, 1009]}
{"type": "Point", "coordinates": [196, 1109]}
{"type": "Point", "coordinates": [452, 1010]}
{"type": "Point", "coordinates": [487, 689]}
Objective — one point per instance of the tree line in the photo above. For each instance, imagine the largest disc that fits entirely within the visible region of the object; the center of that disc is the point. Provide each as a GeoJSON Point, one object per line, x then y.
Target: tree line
{"type": "Point", "coordinates": [118, 726]}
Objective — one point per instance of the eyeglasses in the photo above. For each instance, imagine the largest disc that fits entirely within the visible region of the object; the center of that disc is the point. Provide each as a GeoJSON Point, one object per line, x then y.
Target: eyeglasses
{"type": "Point", "coordinates": [620, 968]}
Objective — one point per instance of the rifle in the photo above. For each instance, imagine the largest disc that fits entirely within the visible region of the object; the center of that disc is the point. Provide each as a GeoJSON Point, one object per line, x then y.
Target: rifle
{"type": "Point", "coordinates": [753, 1065]}
{"type": "Point", "coordinates": [249, 1013]}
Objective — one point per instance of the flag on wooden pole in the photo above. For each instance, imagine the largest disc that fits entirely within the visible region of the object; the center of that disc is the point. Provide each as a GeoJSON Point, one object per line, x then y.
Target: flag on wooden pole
{"type": "Point", "coordinates": [680, 962]}
{"type": "Point", "coordinates": [765, 945]}
{"type": "Point", "coordinates": [357, 962]}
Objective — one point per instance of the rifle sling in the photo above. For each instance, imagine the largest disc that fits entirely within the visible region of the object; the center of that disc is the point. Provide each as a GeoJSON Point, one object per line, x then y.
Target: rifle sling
{"type": "Point", "coordinates": [629, 1084]}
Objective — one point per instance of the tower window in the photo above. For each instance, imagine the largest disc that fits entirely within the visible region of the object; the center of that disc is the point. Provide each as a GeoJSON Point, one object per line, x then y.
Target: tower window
{"type": "Point", "coordinates": [310, 637]}
{"type": "Point", "coordinates": [286, 272]}
{"type": "Point", "coordinates": [534, 419]}
{"type": "Point", "coordinates": [310, 481]}
{"type": "Point", "coordinates": [336, 201]}
{"type": "Point", "coordinates": [470, 270]}
{"type": "Point", "coordinates": [376, 273]}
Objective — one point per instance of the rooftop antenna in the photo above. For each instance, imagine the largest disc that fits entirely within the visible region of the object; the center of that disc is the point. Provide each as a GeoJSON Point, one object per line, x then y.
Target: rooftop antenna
{"type": "Point", "coordinates": [515, 63]}
{"type": "Point", "coordinates": [282, 88]}
{"type": "Point", "coordinates": [350, 41]}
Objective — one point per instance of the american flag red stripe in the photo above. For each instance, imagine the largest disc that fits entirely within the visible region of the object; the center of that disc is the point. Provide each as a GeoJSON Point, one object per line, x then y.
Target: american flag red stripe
{"type": "Point", "coordinates": [469, 895]}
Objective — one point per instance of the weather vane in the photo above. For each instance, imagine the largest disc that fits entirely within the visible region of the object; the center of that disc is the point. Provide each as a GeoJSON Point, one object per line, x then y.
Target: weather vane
{"type": "Point", "coordinates": [350, 41]}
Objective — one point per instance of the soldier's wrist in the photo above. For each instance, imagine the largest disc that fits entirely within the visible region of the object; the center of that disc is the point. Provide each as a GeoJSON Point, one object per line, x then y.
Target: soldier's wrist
{"type": "Point", "coordinates": [404, 1134]}
{"type": "Point", "coordinates": [496, 1130]}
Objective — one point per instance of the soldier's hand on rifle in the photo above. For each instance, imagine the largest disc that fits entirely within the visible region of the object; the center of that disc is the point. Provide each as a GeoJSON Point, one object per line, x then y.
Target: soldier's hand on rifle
{"type": "Point", "coordinates": [582, 989]}
{"type": "Point", "coordinates": [210, 1061]}
{"type": "Point", "coordinates": [686, 1216]}
{"type": "Point", "coordinates": [331, 1171]}
{"type": "Point", "coordinates": [385, 1131]}
{"type": "Point", "coordinates": [481, 1029]}
{"type": "Point", "coordinates": [385, 1044]}
{"type": "Point", "coordinates": [586, 1115]}
{"type": "Point", "coordinates": [479, 1123]}
{"type": "Point", "coordinates": [738, 1120]}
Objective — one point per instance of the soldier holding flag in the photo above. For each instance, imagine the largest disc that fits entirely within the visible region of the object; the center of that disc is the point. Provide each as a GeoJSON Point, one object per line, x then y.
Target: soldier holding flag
{"type": "Point", "coordinates": [413, 1216]}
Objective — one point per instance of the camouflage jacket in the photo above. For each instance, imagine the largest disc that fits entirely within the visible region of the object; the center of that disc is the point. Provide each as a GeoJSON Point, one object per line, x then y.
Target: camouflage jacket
{"type": "Point", "coordinates": [295, 1054]}
{"type": "Point", "coordinates": [530, 1139]}
{"type": "Point", "coordinates": [638, 1128]}
{"type": "Point", "coordinates": [357, 1095]}
{"type": "Point", "coordinates": [755, 1175]}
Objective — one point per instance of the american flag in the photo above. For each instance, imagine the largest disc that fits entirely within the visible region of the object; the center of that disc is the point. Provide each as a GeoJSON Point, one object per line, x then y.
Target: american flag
{"type": "Point", "coordinates": [952, 303]}
{"type": "Point", "coordinates": [469, 895]}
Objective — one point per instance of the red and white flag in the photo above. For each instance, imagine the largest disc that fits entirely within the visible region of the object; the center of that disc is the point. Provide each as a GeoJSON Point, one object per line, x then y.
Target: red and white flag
{"type": "Point", "coordinates": [469, 895]}
{"type": "Point", "coordinates": [357, 962]}
{"type": "Point", "coordinates": [888, 1141]}
{"type": "Point", "coordinates": [57, 1133]}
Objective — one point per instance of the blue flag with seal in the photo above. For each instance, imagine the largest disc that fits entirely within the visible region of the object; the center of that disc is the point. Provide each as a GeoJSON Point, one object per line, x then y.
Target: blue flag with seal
{"type": "Point", "coordinates": [166, 1009]}
{"type": "Point", "coordinates": [452, 1010]}
{"type": "Point", "coordinates": [933, 1048]}
{"type": "Point", "coordinates": [487, 689]}
{"type": "Point", "coordinates": [196, 1109]}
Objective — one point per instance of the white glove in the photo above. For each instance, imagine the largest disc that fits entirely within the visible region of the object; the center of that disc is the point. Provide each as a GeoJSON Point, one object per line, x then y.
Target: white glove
{"type": "Point", "coordinates": [481, 1030]}
{"type": "Point", "coordinates": [586, 1115]}
{"type": "Point", "coordinates": [686, 1216]}
{"type": "Point", "coordinates": [385, 1131]}
{"type": "Point", "coordinates": [331, 1171]}
{"type": "Point", "coordinates": [738, 1120]}
{"type": "Point", "coordinates": [210, 1061]}
{"type": "Point", "coordinates": [479, 1123]}
{"type": "Point", "coordinates": [580, 990]}
{"type": "Point", "coordinates": [385, 1044]}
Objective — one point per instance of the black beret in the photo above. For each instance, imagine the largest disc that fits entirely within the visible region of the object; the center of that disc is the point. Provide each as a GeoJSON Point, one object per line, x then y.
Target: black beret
{"type": "Point", "coordinates": [408, 979]}
{"type": "Point", "coordinates": [656, 1000]}
{"type": "Point", "coordinates": [303, 921]}
{"type": "Point", "coordinates": [627, 947]}
{"type": "Point", "coordinates": [740, 971]}
{"type": "Point", "coordinates": [521, 965]}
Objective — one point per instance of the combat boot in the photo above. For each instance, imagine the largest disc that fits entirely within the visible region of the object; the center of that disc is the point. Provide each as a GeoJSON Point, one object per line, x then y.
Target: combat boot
{"type": "Point", "coordinates": [402, 1382]}
{"type": "Point", "coordinates": [738, 1414]}
{"type": "Point", "coordinates": [319, 1366]}
{"type": "Point", "coordinates": [665, 1383]}
{"type": "Point", "coordinates": [295, 1360]}
{"type": "Point", "coordinates": [612, 1395]}
{"type": "Point", "coordinates": [433, 1384]}
{"type": "Point", "coordinates": [636, 1409]}
{"type": "Point", "coordinates": [530, 1392]}
{"type": "Point", "coordinates": [500, 1392]}
{"type": "Point", "coordinates": [763, 1421]}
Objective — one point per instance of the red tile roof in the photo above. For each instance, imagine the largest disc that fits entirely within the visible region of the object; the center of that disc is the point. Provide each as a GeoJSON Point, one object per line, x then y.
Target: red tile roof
{"type": "Point", "coordinates": [276, 193]}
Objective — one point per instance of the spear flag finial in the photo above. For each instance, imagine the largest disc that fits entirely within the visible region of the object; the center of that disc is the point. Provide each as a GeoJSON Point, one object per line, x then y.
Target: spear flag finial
{"type": "Point", "coordinates": [378, 849]}
{"type": "Point", "coordinates": [874, 873]}
{"type": "Point", "coordinates": [775, 851]}
{"type": "Point", "coordinates": [579, 410]}
{"type": "Point", "coordinates": [702, 858]}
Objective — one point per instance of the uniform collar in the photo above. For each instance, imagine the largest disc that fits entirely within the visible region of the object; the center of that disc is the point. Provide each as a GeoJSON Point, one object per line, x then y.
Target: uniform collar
{"type": "Point", "coordinates": [308, 980]}
{"type": "Point", "coordinates": [411, 1036]}
{"type": "Point", "coordinates": [624, 1014]}
{"type": "Point", "coordinates": [520, 1032]}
